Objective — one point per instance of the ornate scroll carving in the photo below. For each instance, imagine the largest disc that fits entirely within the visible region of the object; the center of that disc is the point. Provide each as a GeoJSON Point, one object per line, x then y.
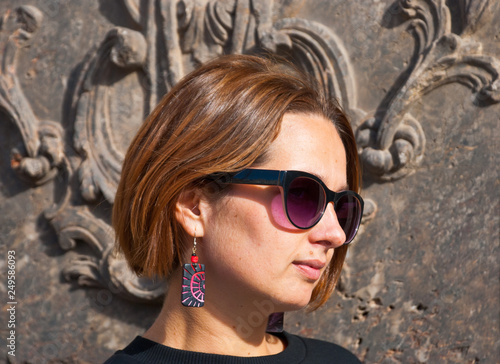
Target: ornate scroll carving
{"type": "Point", "coordinates": [122, 79]}
{"type": "Point", "coordinates": [392, 141]}
{"type": "Point", "coordinates": [122, 51]}
{"type": "Point", "coordinates": [42, 154]}
{"type": "Point", "coordinates": [102, 268]}
{"type": "Point", "coordinates": [319, 51]}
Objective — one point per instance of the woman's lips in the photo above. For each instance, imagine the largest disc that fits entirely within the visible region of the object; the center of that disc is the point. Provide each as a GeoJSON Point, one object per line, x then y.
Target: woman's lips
{"type": "Point", "coordinates": [311, 269]}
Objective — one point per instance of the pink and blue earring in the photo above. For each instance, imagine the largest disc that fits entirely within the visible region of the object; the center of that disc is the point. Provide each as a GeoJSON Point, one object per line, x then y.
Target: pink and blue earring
{"type": "Point", "coordinates": [193, 281]}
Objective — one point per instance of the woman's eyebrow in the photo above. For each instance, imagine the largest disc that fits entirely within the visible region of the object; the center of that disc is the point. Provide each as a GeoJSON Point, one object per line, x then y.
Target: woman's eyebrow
{"type": "Point", "coordinates": [344, 187]}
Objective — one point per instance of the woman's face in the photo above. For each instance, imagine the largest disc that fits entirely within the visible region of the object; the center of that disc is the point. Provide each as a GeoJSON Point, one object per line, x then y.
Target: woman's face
{"type": "Point", "coordinates": [251, 255]}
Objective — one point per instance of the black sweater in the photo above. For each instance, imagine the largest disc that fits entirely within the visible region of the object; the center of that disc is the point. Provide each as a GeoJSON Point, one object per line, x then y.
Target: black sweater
{"type": "Point", "coordinates": [298, 350]}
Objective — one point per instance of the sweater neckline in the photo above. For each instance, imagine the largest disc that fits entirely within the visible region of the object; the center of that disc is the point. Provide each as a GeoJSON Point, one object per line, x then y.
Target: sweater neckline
{"type": "Point", "coordinates": [153, 352]}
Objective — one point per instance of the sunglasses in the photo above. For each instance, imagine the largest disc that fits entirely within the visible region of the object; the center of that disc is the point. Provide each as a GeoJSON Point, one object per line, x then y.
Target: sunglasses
{"type": "Point", "coordinates": [305, 197]}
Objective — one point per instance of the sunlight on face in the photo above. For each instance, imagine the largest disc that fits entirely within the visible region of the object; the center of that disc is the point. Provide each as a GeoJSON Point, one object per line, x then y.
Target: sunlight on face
{"type": "Point", "coordinates": [250, 252]}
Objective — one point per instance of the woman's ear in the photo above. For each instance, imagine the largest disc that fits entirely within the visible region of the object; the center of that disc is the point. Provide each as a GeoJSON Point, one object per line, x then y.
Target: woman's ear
{"type": "Point", "coordinates": [189, 211]}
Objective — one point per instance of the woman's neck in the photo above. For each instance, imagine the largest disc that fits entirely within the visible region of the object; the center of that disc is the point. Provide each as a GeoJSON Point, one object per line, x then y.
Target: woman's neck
{"type": "Point", "coordinates": [217, 328]}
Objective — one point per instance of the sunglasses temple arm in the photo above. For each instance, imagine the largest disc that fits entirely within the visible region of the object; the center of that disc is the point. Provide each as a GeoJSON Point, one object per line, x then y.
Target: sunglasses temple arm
{"type": "Point", "coordinates": [257, 177]}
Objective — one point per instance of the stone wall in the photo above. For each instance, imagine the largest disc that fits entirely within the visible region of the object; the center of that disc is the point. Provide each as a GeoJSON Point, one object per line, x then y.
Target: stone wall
{"type": "Point", "coordinates": [420, 80]}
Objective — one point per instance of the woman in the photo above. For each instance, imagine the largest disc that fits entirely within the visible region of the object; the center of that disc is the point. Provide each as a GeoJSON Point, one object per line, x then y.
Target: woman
{"type": "Point", "coordinates": [230, 179]}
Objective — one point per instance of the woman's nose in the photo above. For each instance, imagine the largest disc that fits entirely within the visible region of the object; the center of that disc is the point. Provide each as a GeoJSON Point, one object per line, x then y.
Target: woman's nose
{"type": "Point", "coordinates": [328, 230]}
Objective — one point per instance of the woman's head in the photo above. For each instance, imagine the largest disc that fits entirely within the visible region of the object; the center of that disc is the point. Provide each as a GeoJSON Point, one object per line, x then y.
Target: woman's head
{"type": "Point", "coordinates": [222, 118]}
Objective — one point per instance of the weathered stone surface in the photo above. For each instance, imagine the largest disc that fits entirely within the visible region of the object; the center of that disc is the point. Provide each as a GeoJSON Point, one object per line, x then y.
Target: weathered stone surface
{"type": "Point", "coordinates": [420, 80]}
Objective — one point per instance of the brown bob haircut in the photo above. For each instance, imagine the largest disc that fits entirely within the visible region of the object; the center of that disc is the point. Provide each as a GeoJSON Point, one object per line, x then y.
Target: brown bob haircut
{"type": "Point", "coordinates": [220, 118]}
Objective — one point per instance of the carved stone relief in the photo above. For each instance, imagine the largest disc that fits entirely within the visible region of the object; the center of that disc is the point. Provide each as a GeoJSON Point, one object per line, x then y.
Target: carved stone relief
{"type": "Point", "coordinates": [118, 82]}
{"type": "Point", "coordinates": [393, 141]}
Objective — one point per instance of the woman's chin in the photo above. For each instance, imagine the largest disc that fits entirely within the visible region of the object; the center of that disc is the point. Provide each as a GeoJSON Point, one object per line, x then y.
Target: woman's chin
{"type": "Point", "coordinates": [293, 303]}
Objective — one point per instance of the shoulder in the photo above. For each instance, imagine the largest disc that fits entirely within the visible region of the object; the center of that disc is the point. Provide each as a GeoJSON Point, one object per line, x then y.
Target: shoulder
{"type": "Point", "coordinates": [318, 351]}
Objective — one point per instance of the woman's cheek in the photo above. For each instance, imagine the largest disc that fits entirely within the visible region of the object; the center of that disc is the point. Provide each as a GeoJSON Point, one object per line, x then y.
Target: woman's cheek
{"type": "Point", "coordinates": [278, 212]}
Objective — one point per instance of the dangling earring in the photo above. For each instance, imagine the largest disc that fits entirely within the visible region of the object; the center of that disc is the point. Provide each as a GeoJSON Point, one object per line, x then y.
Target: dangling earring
{"type": "Point", "coordinates": [193, 281]}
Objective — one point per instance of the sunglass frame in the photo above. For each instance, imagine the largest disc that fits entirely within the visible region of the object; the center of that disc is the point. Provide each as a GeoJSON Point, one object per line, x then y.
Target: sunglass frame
{"type": "Point", "coordinates": [283, 179]}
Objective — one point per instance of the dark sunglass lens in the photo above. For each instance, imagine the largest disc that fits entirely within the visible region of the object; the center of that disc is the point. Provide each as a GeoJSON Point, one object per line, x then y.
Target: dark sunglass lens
{"type": "Point", "coordinates": [348, 210]}
{"type": "Point", "coordinates": [305, 201]}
